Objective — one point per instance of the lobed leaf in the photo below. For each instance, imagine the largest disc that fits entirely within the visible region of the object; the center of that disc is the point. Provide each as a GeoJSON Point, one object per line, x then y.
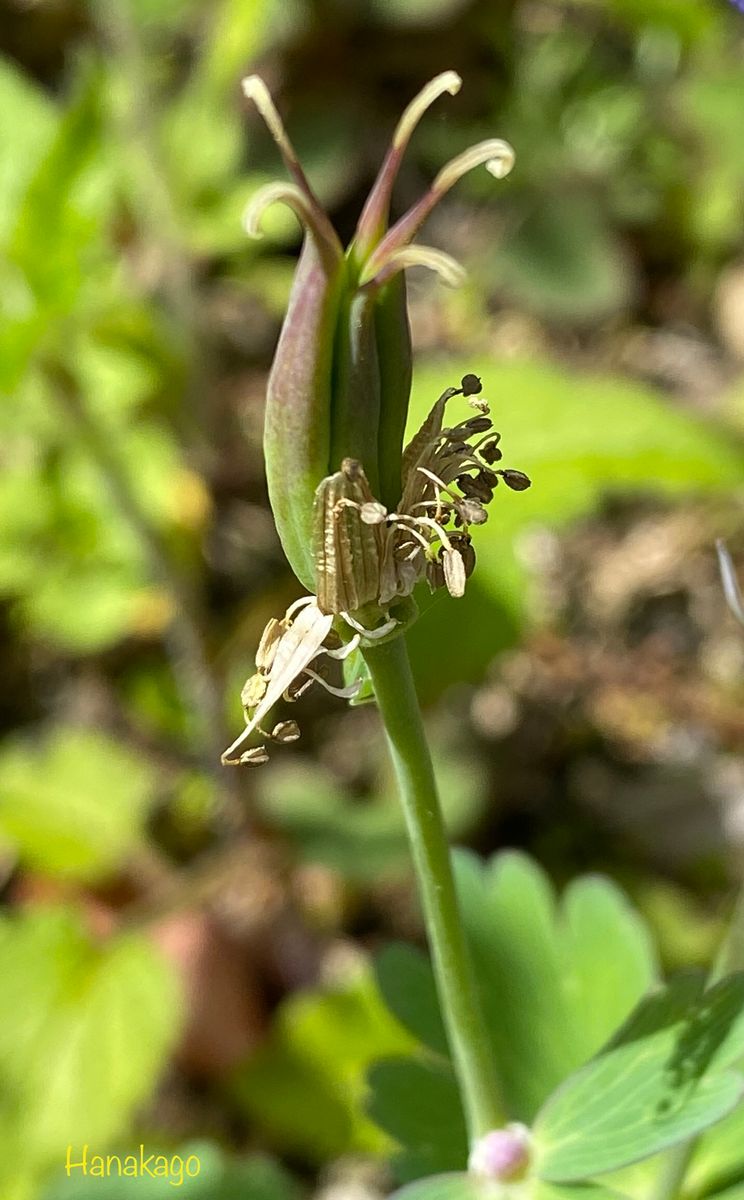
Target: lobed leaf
{"type": "Point", "coordinates": [661, 1080]}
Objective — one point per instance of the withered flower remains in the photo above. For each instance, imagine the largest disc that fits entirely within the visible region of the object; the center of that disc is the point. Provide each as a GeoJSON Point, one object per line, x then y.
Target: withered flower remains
{"type": "Point", "coordinates": [361, 520]}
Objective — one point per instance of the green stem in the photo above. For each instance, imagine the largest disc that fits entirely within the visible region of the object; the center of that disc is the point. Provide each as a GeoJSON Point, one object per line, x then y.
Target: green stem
{"type": "Point", "coordinates": [472, 1057]}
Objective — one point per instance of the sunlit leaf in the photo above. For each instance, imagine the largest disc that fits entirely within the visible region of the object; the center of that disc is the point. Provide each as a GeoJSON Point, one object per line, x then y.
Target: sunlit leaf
{"type": "Point", "coordinates": [76, 1061]}
{"type": "Point", "coordinates": [661, 1080]}
{"type": "Point", "coordinates": [75, 805]}
{"type": "Point", "coordinates": [556, 981]}
{"type": "Point", "coordinates": [417, 1104]}
{"type": "Point", "coordinates": [306, 1087]}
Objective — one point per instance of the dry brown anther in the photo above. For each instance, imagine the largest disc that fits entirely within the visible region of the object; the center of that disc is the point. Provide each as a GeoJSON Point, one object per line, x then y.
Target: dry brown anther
{"type": "Point", "coordinates": [516, 480]}
{"type": "Point", "coordinates": [471, 385]}
{"type": "Point", "coordinates": [475, 488]}
{"type": "Point", "coordinates": [471, 512]}
{"type": "Point", "coordinates": [285, 732]}
{"type": "Point", "coordinates": [490, 452]}
{"type": "Point", "coordinates": [255, 757]}
{"type": "Point", "coordinates": [476, 424]}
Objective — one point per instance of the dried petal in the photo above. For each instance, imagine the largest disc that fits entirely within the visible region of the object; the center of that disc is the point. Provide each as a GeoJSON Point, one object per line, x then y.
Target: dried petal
{"type": "Point", "coordinates": [300, 643]}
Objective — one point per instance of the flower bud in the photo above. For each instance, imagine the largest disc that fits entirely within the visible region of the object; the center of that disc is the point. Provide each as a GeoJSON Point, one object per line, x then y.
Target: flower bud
{"type": "Point", "coordinates": [502, 1154]}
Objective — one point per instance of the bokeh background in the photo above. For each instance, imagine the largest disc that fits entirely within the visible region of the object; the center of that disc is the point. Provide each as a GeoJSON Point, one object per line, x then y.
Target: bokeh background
{"type": "Point", "coordinates": [184, 950]}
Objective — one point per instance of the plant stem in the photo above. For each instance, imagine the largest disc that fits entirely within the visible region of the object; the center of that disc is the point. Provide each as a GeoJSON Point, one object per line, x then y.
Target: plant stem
{"type": "Point", "coordinates": [472, 1057]}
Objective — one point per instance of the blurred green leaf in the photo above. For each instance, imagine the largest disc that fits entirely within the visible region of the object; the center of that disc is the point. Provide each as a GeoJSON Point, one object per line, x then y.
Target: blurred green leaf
{"type": "Point", "coordinates": [693, 21]}
{"type": "Point", "coordinates": [53, 264]}
{"type": "Point", "coordinates": [718, 1160]}
{"type": "Point", "coordinates": [76, 1061]}
{"type": "Point", "coordinates": [305, 1088]}
{"type": "Point", "coordinates": [220, 1178]}
{"type": "Point", "coordinates": [468, 1187]}
{"type": "Point", "coordinates": [563, 261]}
{"type": "Point", "coordinates": [405, 980]}
{"type": "Point", "coordinates": [661, 1080]}
{"type": "Point", "coordinates": [362, 839]}
{"type": "Point", "coordinates": [417, 1103]}
{"type": "Point", "coordinates": [75, 805]}
{"type": "Point", "coordinates": [29, 120]}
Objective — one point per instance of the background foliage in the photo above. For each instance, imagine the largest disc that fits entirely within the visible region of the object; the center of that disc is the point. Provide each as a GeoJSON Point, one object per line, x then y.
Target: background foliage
{"type": "Point", "coordinates": [185, 954]}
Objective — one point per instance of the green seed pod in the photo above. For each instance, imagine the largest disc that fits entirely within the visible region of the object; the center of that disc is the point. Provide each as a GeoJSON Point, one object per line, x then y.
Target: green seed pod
{"type": "Point", "coordinates": [340, 384]}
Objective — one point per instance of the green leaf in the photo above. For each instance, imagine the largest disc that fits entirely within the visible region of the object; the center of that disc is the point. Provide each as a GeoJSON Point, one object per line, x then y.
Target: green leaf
{"type": "Point", "coordinates": [556, 981]}
{"type": "Point", "coordinates": [446, 1187]}
{"type": "Point", "coordinates": [219, 1178]}
{"type": "Point", "coordinates": [609, 958]}
{"type": "Point", "coordinates": [719, 1156]}
{"type": "Point", "coordinates": [417, 1104]}
{"type": "Point", "coordinates": [29, 119]}
{"type": "Point", "coordinates": [76, 805]}
{"type": "Point", "coordinates": [661, 1080]}
{"type": "Point", "coordinates": [406, 983]}
{"type": "Point", "coordinates": [76, 1062]}
{"type": "Point", "coordinates": [305, 1087]}
{"type": "Point", "coordinates": [564, 261]}
{"type": "Point", "coordinates": [545, 989]}
{"type": "Point", "coordinates": [363, 841]}
{"type": "Point", "coordinates": [466, 1187]}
